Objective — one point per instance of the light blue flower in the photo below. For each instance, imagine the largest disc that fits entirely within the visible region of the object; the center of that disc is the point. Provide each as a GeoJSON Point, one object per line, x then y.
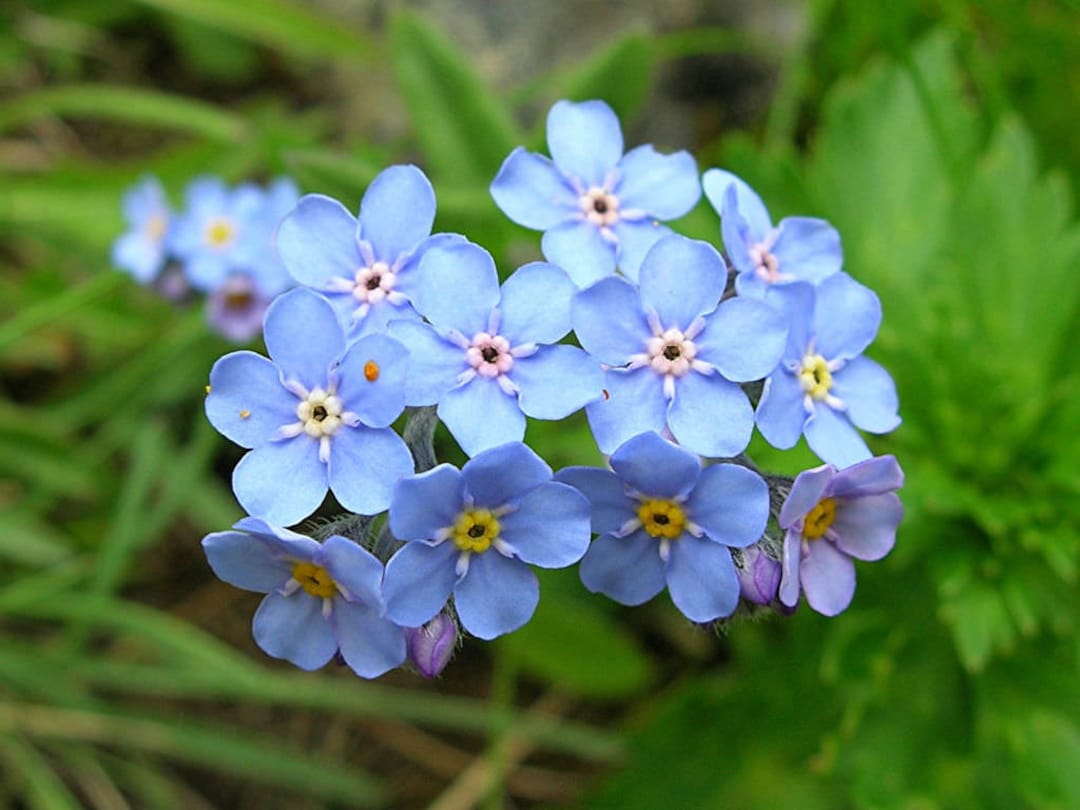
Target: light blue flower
{"type": "Point", "coordinates": [141, 250]}
{"type": "Point", "coordinates": [598, 208]}
{"type": "Point", "coordinates": [677, 354]}
{"type": "Point", "coordinates": [823, 387]}
{"type": "Point", "coordinates": [665, 521]}
{"type": "Point", "coordinates": [831, 517]}
{"type": "Point", "coordinates": [490, 356]}
{"type": "Point", "coordinates": [474, 532]}
{"type": "Point", "coordinates": [315, 415]}
{"type": "Point", "coordinates": [365, 266]}
{"type": "Point", "coordinates": [798, 249]}
{"type": "Point", "coordinates": [321, 598]}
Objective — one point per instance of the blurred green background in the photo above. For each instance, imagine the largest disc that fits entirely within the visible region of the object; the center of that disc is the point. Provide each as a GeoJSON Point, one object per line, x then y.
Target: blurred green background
{"type": "Point", "coordinates": [939, 136]}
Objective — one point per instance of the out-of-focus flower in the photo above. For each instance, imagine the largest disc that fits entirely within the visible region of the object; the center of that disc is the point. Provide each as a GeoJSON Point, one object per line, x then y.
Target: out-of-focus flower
{"type": "Point", "coordinates": [141, 249]}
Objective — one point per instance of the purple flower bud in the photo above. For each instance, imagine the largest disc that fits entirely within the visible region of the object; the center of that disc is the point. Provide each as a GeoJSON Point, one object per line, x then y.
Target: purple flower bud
{"type": "Point", "coordinates": [431, 646]}
{"type": "Point", "coordinates": [759, 577]}
{"type": "Point", "coordinates": [235, 309]}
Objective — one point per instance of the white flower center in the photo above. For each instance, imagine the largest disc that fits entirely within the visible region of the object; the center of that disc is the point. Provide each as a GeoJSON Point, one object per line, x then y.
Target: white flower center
{"type": "Point", "coordinates": [600, 207]}
{"type": "Point", "coordinates": [320, 413]}
{"type": "Point", "coordinates": [672, 353]}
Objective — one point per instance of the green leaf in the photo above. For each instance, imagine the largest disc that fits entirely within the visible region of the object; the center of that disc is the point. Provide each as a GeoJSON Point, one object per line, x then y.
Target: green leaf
{"type": "Point", "coordinates": [464, 130]}
{"type": "Point", "coordinates": [44, 788]}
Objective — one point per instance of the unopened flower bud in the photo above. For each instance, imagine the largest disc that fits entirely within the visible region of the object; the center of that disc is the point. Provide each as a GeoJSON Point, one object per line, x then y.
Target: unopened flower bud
{"type": "Point", "coordinates": [759, 578]}
{"type": "Point", "coordinates": [432, 646]}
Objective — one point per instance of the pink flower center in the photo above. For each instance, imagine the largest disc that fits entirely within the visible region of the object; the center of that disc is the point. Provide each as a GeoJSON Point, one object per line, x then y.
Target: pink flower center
{"type": "Point", "coordinates": [374, 283]}
{"type": "Point", "coordinates": [766, 265]}
{"type": "Point", "coordinates": [489, 355]}
{"type": "Point", "coordinates": [671, 352]}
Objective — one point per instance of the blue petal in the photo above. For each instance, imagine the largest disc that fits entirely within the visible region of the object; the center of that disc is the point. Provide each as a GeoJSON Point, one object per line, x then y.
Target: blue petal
{"type": "Point", "coordinates": [701, 579]}
{"type": "Point", "coordinates": [872, 477]}
{"type": "Point", "coordinates": [626, 569]}
{"type": "Point", "coordinates": [379, 401]}
{"type": "Point", "coordinates": [354, 568]}
{"type": "Point", "coordinates": [365, 464]}
{"type": "Point", "coordinates": [681, 279]}
{"type": "Point", "coordinates": [611, 507]}
{"type": "Point", "coordinates": [846, 317]}
{"type": "Point", "coordinates": [293, 628]}
{"type": "Point", "coordinates": [609, 322]}
{"type": "Point", "coordinates": [636, 238]}
{"type": "Point", "coordinates": [535, 304]}
{"type": "Point", "coordinates": [245, 562]}
{"type": "Point", "coordinates": [317, 241]}
{"type": "Point", "coordinates": [808, 249]}
{"type": "Point", "coordinates": [796, 303]}
{"type": "Point", "coordinates": [425, 503]}
{"type": "Point", "coordinates": [138, 255]}
{"type": "Point", "coordinates": [497, 595]}
{"type": "Point", "coordinates": [503, 474]}
{"type": "Point", "coordinates": [532, 192]}
{"type": "Point", "coordinates": [789, 569]}
{"type": "Point", "coordinates": [585, 140]}
{"type": "Point", "coordinates": [780, 415]}
{"type": "Point", "coordinates": [377, 319]}
{"type": "Point", "coordinates": [556, 381]}
{"type": "Point", "coordinates": [408, 268]}
{"type": "Point", "coordinates": [731, 503]}
{"type": "Point", "coordinates": [480, 415]}
{"type": "Point", "coordinates": [808, 489]}
{"type": "Point", "coordinates": [369, 644]}
{"type": "Point", "coordinates": [281, 481]}
{"type": "Point", "coordinates": [579, 249]}
{"type": "Point", "coordinates": [549, 526]}
{"type": "Point", "coordinates": [457, 288]}
{"type": "Point", "coordinates": [735, 233]}
{"type": "Point", "coordinates": [655, 467]}
{"type": "Point", "coordinates": [285, 544]}
{"type": "Point", "coordinates": [207, 271]}
{"type": "Point", "coordinates": [397, 211]}
{"type": "Point", "coordinates": [869, 394]}
{"type": "Point", "coordinates": [716, 183]}
{"type": "Point", "coordinates": [744, 339]}
{"type": "Point", "coordinates": [666, 186]}
{"type": "Point", "coordinates": [418, 581]}
{"type": "Point", "coordinates": [866, 527]}
{"type": "Point", "coordinates": [434, 363]}
{"type": "Point", "coordinates": [635, 404]}
{"type": "Point", "coordinates": [247, 403]}
{"type": "Point", "coordinates": [834, 439]}
{"type": "Point", "coordinates": [828, 578]}
{"type": "Point", "coordinates": [711, 416]}
{"type": "Point", "coordinates": [303, 337]}
{"type": "Point", "coordinates": [205, 194]}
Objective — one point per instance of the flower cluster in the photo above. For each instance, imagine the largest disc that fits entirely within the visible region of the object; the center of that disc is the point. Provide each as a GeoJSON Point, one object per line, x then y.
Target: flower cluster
{"type": "Point", "coordinates": [221, 245]}
{"type": "Point", "coordinates": [679, 351]}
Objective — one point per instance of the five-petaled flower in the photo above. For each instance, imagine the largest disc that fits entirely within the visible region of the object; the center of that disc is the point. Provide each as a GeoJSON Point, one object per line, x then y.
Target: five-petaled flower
{"type": "Point", "coordinates": [321, 598]}
{"type": "Point", "coordinates": [830, 517]}
{"type": "Point", "coordinates": [598, 208]}
{"type": "Point", "coordinates": [141, 250]}
{"type": "Point", "coordinates": [315, 415]}
{"type": "Point", "coordinates": [663, 520]}
{"type": "Point", "coordinates": [474, 532]}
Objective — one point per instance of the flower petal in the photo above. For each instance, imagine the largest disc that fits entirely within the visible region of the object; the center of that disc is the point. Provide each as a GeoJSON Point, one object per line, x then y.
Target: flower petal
{"type": "Point", "coordinates": [626, 569]}
{"type": "Point", "coordinates": [425, 503]}
{"type": "Point", "coordinates": [809, 488]}
{"type": "Point", "coordinates": [247, 403]}
{"type": "Point", "coordinates": [532, 192]}
{"type": "Point", "coordinates": [846, 317]}
{"type": "Point", "coordinates": [585, 140]}
{"type": "Point", "coordinates": [496, 596]}
{"type": "Point", "coordinates": [869, 394]}
{"type": "Point", "coordinates": [457, 288]}
{"type": "Point", "coordinates": [418, 581]}
{"type": "Point", "coordinates": [397, 211]}
{"type": "Point", "coordinates": [744, 339]}
{"type": "Point", "coordinates": [293, 628]}
{"type": "Point", "coordinates": [556, 381]}
{"type": "Point", "coordinates": [317, 241]}
{"type": "Point", "coordinates": [866, 527]}
{"type": "Point", "coordinates": [281, 481]}
{"type": "Point", "coordinates": [667, 186]}
{"type": "Point", "coordinates": [834, 439]}
{"type": "Point", "coordinates": [549, 526]}
{"type": "Point", "coordinates": [579, 249]}
{"type": "Point", "coordinates": [656, 468]}
{"type": "Point", "coordinates": [503, 474]}
{"type": "Point", "coordinates": [434, 362]}
{"type": "Point", "coordinates": [303, 337]}
{"type": "Point", "coordinates": [716, 183]}
{"type": "Point", "coordinates": [731, 503]}
{"type": "Point", "coordinates": [244, 561]}
{"type": "Point", "coordinates": [681, 279]}
{"type": "Point", "coordinates": [356, 569]}
{"type": "Point", "coordinates": [609, 321]}
{"type": "Point", "coordinates": [711, 416]}
{"type": "Point", "coordinates": [789, 569]}
{"type": "Point", "coordinates": [871, 477]}
{"type": "Point", "coordinates": [365, 463]}
{"type": "Point", "coordinates": [611, 507]}
{"type": "Point", "coordinates": [780, 414]}
{"type": "Point", "coordinates": [828, 578]}
{"type": "Point", "coordinates": [535, 304]}
{"type": "Point", "coordinates": [369, 644]}
{"type": "Point", "coordinates": [635, 403]}
{"type": "Point", "coordinates": [635, 240]}
{"type": "Point", "coordinates": [701, 579]}
{"type": "Point", "coordinates": [480, 415]}
{"type": "Point", "coordinates": [373, 374]}
{"type": "Point", "coordinates": [808, 249]}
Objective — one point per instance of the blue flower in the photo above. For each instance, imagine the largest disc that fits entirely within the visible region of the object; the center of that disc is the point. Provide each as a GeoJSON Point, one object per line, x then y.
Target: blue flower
{"type": "Point", "coordinates": [314, 415]}
{"type": "Point", "coordinates": [141, 250]}
{"type": "Point", "coordinates": [830, 517]}
{"type": "Point", "coordinates": [364, 265]}
{"type": "Point", "coordinates": [675, 355]}
{"type": "Point", "coordinates": [664, 521]}
{"type": "Point", "coordinates": [598, 208]}
{"type": "Point", "coordinates": [798, 249]}
{"type": "Point", "coordinates": [487, 356]}
{"type": "Point", "coordinates": [321, 598]}
{"type": "Point", "coordinates": [823, 387]}
{"type": "Point", "coordinates": [471, 532]}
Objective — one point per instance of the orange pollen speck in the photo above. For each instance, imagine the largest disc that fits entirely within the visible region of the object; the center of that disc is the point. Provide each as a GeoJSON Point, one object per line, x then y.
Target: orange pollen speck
{"type": "Point", "coordinates": [371, 371]}
{"type": "Point", "coordinates": [245, 414]}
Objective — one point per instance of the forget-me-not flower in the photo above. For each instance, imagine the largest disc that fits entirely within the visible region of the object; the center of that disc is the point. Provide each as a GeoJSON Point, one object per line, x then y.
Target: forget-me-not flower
{"type": "Point", "coordinates": [665, 521]}
{"type": "Point", "coordinates": [831, 517]}
{"type": "Point", "coordinates": [798, 249]}
{"type": "Point", "coordinates": [315, 415]}
{"type": "Point", "coordinates": [824, 387]}
{"type": "Point", "coordinates": [598, 208]}
{"type": "Point", "coordinates": [141, 250]}
{"type": "Point", "coordinates": [321, 598]}
{"type": "Point", "coordinates": [474, 532]}
{"type": "Point", "coordinates": [676, 354]}
{"type": "Point", "coordinates": [364, 265]}
{"type": "Point", "coordinates": [490, 356]}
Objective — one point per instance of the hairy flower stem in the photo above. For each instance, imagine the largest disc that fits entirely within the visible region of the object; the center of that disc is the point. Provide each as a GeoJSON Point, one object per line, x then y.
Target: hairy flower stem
{"type": "Point", "coordinates": [419, 435]}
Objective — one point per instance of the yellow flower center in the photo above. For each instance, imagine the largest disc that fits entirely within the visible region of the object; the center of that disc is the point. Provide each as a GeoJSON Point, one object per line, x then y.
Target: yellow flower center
{"type": "Point", "coordinates": [819, 519]}
{"type": "Point", "coordinates": [815, 377]}
{"type": "Point", "coordinates": [662, 518]}
{"type": "Point", "coordinates": [475, 530]}
{"type": "Point", "coordinates": [155, 227]}
{"type": "Point", "coordinates": [220, 232]}
{"type": "Point", "coordinates": [314, 579]}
